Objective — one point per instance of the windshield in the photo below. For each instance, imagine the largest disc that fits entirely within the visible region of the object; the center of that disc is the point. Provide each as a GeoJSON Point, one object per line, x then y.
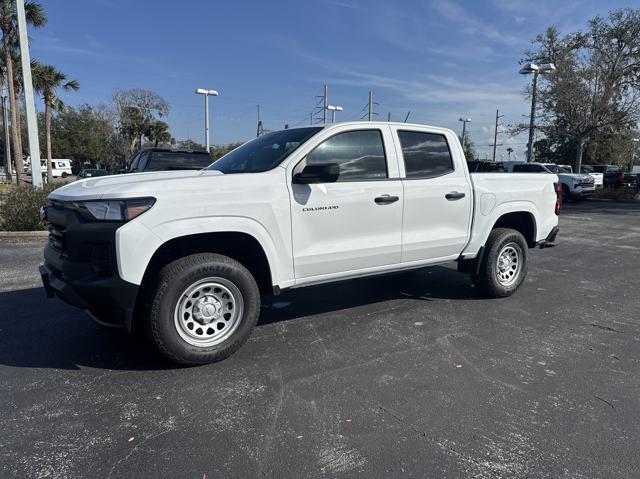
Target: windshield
{"type": "Point", "coordinates": [552, 168]}
{"type": "Point", "coordinates": [265, 152]}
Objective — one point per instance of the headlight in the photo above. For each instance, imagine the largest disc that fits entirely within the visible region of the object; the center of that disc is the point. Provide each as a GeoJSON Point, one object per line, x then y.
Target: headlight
{"type": "Point", "coordinates": [114, 210]}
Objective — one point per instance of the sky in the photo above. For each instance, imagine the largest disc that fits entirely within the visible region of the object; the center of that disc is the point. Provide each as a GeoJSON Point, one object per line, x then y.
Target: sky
{"type": "Point", "coordinates": [439, 59]}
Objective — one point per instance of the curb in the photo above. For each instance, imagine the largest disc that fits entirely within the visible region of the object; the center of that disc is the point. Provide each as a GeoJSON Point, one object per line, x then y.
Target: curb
{"type": "Point", "coordinates": [611, 200]}
{"type": "Point", "coordinates": [23, 236]}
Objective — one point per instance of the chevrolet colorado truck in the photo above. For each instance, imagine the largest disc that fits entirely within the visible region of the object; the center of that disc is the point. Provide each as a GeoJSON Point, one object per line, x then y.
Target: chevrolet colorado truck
{"type": "Point", "coordinates": [186, 255]}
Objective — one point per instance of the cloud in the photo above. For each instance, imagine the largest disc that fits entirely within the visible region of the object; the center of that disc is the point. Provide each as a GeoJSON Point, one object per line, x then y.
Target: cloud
{"type": "Point", "coordinates": [471, 25]}
{"type": "Point", "coordinates": [343, 4]}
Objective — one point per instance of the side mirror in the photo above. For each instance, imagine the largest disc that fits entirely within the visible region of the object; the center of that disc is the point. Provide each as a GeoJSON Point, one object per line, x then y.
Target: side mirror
{"type": "Point", "coordinates": [326, 173]}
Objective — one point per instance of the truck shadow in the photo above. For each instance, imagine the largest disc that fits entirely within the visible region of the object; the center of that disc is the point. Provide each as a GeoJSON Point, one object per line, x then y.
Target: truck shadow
{"type": "Point", "coordinates": [40, 333]}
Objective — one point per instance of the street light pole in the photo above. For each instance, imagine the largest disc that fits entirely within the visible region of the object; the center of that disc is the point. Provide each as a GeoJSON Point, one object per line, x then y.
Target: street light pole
{"type": "Point", "coordinates": [633, 153]}
{"type": "Point", "coordinates": [532, 118]}
{"type": "Point", "coordinates": [5, 124]}
{"type": "Point", "coordinates": [464, 127]}
{"type": "Point", "coordinates": [535, 69]}
{"type": "Point", "coordinates": [207, 94]}
{"type": "Point", "coordinates": [333, 109]}
{"type": "Point", "coordinates": [30, 106]}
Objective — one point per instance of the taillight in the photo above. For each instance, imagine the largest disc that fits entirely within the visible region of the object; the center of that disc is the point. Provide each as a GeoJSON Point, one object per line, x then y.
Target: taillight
{"type": "Point", "coordinates": [620, 177]}
{"type": "Point", "coordinates": [558, 188]}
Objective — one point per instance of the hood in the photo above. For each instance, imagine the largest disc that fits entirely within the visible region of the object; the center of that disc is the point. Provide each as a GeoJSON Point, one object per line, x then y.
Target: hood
{"type": "Point", "coordinates": [127, 185]}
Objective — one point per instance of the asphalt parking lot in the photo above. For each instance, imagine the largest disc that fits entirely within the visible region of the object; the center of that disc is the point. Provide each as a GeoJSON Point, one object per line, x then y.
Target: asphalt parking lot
{"type": "Point", "coordinates": [413, 375]}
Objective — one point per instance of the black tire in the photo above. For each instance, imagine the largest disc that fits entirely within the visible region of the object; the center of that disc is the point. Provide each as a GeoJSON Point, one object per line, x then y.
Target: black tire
{"type": "Point", "coordinates": [173, 281]}
{"type": "Point", "coordinates": [501, 239]}
{"type": "Point", "coordinates": [65, 174]}
{"type": "Point", "coordinates": [565, 194]}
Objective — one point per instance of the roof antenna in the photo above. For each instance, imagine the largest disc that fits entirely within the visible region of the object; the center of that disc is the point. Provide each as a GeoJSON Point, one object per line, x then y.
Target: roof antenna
{"type": "Point", "coordinates": [407, 117]}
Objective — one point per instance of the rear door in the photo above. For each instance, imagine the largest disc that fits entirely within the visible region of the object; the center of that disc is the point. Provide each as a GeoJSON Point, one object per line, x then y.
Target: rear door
{"type": "Point", "coordinates": [437, 195]}
{"type": "Point", "coordinates": [354, 223]}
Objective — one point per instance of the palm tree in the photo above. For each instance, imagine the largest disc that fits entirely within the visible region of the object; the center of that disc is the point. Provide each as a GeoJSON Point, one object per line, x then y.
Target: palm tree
{"type": "Point", "coordinates": [8, 25]}
{"type": "Point", "coordinates": [46, 80]}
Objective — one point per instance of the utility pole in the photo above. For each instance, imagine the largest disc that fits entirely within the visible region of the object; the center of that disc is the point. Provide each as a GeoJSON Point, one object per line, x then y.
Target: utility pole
{"type": "Point", "coordinates": [311, 118]}
{"type": "Point", "coordinates": [322, 101]}
{"type": "Point", "coordinates": [495, 134]}
{"type": "Point", "coordinates": [259, 127]}
{"type": "Point", "coordinates": [325, 103]}
{"type": "Point", "coordinates": [5, 124]}
{"type": "Point", "coordinates": [32, 122]}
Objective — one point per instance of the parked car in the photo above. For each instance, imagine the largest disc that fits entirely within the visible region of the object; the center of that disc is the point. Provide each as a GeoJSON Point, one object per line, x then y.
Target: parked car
{"type": "Point", "coordinates": [91, 173]}
{"type": "Point", "coordinates": [598, 178]}
{"type": "Point", "coordinates": [611, 175]}
{"type": "Point", "coordinates": [630, 180]}
{"type": "Point", "coordinates": [60, 168]}
{"type": "Point", "coordinates": [575, 186]}
{"type": "Point", "coordinates": [186, 255]}
{"type": "Point", "coordinates": [159, 159]}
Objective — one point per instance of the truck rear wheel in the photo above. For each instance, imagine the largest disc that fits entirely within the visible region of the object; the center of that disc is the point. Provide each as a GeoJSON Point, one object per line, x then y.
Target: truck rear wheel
{"type": "Point", "coordinates": [203, 308]}
{"type": "Point", "coordinates": [504, 265]}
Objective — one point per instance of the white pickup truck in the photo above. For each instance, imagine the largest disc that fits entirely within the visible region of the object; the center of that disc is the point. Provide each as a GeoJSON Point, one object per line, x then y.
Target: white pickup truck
{"type": "Point", "coordinates": [187, 254]}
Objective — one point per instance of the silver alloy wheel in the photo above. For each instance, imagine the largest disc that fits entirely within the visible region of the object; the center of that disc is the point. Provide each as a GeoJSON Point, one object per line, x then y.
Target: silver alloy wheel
{"type": "Point", "coordinates": [208, 312]}
{"type": "Point", "coordinates": [509, 264]}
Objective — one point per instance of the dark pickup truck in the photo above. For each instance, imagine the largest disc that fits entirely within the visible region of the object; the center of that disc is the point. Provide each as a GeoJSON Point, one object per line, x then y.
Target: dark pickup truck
{"type": "Point", "coordinates": [159, 159]}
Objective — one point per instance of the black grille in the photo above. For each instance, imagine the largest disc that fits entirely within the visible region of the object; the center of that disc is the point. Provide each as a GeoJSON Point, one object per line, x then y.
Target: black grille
{"type": "Point", "coordinates": [56, 236]}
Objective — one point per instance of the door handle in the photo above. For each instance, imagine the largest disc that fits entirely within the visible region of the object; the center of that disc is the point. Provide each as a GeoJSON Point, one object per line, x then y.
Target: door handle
{"type": "Point", "coordinates": [454, 195]}
{"type": "Point", "coordinates": [386, 199]}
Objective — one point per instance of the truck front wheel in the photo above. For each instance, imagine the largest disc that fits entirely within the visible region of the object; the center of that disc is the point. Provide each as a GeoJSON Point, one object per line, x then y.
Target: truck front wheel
{"type": "Point", "coordinates": [504, 265]}
{"type": "Point", "coordinates": [203, 308]}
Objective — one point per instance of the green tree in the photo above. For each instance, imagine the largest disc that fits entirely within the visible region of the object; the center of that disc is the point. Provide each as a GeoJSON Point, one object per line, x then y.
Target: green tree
{"type": "Point", "coordinates": [47, 80]}
{"type": "Point", "coordinates": [158, 132]}
{"type": "Point", "coordinates": [596, 88]}
{"type": "Point", "coordinates": [468, 147]}
{"type": "Point", "coordinates": [86, 135]}
{"type": "Point", "coordinates": [35, 17]}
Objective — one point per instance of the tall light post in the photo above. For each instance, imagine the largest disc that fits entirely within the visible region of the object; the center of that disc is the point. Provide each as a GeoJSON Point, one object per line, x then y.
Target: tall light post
{"type": "Point", "coordinates": [633, 153]}
{"type": "Point", "coordinates": [5, 124]}
{"type": "Point", "coordinates": [207, 94]}
{"type": "Point", "coordinates": [333, 109]}
{"type": "Point", "coordinates": [535, 69]}
{"type": "Point", "coordinates": [464, 127]}
{"type": "Point", "coordinates": [30, 106]}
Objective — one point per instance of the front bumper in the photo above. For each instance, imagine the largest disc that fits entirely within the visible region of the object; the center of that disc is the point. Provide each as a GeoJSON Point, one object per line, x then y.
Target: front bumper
{"type": "Point", "coordinates": [582, 192]}
{"type": "Point", "coordinates": [80, 267]}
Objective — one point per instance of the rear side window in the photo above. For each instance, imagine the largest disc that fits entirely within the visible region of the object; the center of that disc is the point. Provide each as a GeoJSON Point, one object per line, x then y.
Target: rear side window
{"type": "Point", "coordinates": [525, 168]}
{"type": "Point", "coordinates": [169, 160]}
{"type": "Point", "coordinates": [425, 154]}
{"type": "Point", "coordinates": [359, 155]}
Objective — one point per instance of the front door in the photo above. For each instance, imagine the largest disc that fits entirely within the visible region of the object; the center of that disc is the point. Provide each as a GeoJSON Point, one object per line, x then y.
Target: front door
{"type": "Point", "coordinates": [355, 222]}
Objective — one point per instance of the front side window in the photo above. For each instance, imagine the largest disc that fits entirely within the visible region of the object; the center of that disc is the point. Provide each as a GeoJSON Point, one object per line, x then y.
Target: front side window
{"type": "Point", "coordinates": [359, 155]}
{"type": "Point", "coordinates": [426, 155]}
{"type": "Point", "coordinates": [265, 152]}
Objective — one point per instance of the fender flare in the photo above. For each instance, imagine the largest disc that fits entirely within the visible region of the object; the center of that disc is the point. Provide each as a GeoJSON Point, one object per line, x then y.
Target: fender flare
{"type": "Point", "coordinates": [134, 260]}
